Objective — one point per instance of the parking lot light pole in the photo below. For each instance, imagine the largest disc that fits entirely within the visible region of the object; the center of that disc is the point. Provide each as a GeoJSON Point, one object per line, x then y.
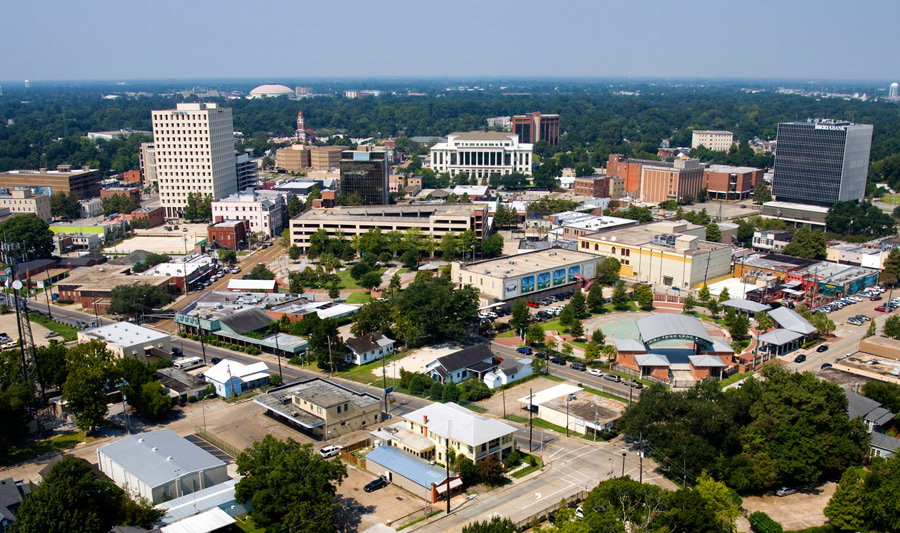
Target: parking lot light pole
{"type": "Point", "coordinates": [623, 463]}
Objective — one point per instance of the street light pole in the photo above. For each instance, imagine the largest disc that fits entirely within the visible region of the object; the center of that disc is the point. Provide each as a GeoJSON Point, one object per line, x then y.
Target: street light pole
{"type": "Point", "coordinates": [567, 416]}
{"type": "Point", "coordinates": [623, 463]}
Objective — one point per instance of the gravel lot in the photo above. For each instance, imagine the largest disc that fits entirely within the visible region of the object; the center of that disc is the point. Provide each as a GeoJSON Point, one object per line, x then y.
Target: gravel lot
{"type": "Point", "coordinates": [797, 511]}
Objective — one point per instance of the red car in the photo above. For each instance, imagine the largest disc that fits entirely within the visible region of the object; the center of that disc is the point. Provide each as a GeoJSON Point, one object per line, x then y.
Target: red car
{"type": "Point", "coordinates": [880, 309]}
{"type": "Point", "coordinates": [532, 303]}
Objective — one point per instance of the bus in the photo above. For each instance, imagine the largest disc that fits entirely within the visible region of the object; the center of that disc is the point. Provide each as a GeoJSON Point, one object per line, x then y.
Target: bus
{"type": "Point", "coordinates": [187, 363]}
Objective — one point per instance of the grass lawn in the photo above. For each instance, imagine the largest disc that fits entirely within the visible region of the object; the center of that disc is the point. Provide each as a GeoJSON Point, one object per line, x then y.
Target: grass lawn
{"type": "Point", "coordinates": [55, 444]}
{"type": "Point", "coordinates": [65, 331]}
{"type": "Point", "coordinates": [893, 200]}
{"type": "Point", "coordinates": [347, 282]}
{"type": "Point", "coordinates": [473, 407]}
{"type": "Point", "coordinates": [358, 298]}
{"type": "Point", "coordinates": [363, 374]}
{"type": "Point", "coordinates": [734, 378]}
{"type": "Point", "coordinates": [528, 469]}
{"type": "Point", "coordinates": [604, 394]}
{"type": "Point", "coordinates": [245, 524]}
{"type": "Point", "coordinates": [740, 346]}
{"type": "Point", "coordinates": [608, 308]}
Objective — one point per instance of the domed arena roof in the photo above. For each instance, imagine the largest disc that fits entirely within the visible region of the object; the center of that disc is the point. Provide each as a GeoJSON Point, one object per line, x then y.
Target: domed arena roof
{"type": "Point", "coordinates": [271, 89]}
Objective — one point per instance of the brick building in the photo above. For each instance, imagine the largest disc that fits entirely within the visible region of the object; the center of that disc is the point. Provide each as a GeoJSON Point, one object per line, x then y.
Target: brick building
{"type": "Point", "coordinates": [131, 177]}
{"type": "Point", "coordinates": [134, 192]}
{"type": "Point", "coordinates": [230, 234]}
{"type": "Point", "coordinates": [153, 214]}
{"type": "Point", "coordinates": [723, 182]}
{"type": "Point", "coordinates": [591, 186]}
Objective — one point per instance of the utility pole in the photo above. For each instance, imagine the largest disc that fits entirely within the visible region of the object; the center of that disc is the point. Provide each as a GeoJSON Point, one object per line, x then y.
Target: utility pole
{"type": "Point", "coordinates": [530, 422]}
{"type": "Point", "coordinates": [623, 463]}
{"type": "Point", "coordinates": [330, 357]}
{"type": "Point", "coordinates": [504, 403]}
{"type": "Point", "coordinates": [203, 345]}
{"type": "Point", "coordinates": [384, 384]}
{"type": "Point", "coordinates": [567, 415]}
{"type": "Point", "coordinates": [47, 294]}
{"type": "Point", "coordinates": [447, 463]}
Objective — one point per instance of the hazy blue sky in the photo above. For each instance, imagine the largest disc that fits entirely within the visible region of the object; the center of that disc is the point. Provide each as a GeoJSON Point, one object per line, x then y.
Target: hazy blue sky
{"type": "Point", "coordinates": [123, 39]}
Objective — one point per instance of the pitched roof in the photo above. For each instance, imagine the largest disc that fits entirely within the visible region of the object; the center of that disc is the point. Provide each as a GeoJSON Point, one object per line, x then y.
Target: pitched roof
{"type": "Point", "coordinates": [226, 367]}
{"type": "Point", "coordinates": [197, 502]}
{"type": "Point", "coordinates": [464, 425]}
{"type": "Point", "coordinates": [651, 359]}
{"type": "Point", "coordinates": [792, 320]}
{"type": "Point", "coordinates": [407, 465]}
{"type": "Point", "coordinates": [746, 305]}
{"type": "Point", "coordinates": [247, 320]}
{"type": "Point", "coordinates": [706, 361]}
{"type": "Point", "coordinates": [630, 345]}
{"type": "Point", "coordinates": [367, 343]}
{"type": "Point", "coordinates": [466, 357]}
{"type": "Point", "coordinates": [158, 457]}
{"type": "Point", "coordinates": [885, 442]}
{"type": "Point", "coordinates": [779, 336]}
{"type": "Point", "coordinates": [858, 406]}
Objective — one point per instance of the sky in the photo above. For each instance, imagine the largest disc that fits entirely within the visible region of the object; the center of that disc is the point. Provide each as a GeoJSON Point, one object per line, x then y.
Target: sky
{"type": "Point", "coordinates": [270, 39]}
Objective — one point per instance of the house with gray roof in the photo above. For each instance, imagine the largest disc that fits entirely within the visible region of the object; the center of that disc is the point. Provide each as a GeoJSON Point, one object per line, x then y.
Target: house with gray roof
{"type": "Point", "coordinates": [11, 495]}
{"type": "Point", "coordinates": [411, 473]}
{"type": "Point", "coordinates": [508, 371]}
{"type": "Point", "coordinates": [876, 419]}
{"type": "Point", "coordinates": [472, 362]}
{"type": "Point", "coordinates": [160, 465]}
{"type": "Point", "coordinates": [367, 348]}
{"type": "Point", "coordinates": [791, 332]}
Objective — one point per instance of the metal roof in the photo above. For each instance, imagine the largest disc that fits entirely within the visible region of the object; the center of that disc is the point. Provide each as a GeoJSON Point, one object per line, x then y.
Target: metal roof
{"type": "Point", "coordinates": [630, 345]}
{"type": "Point", "coordinates": [126, 334]}
{"type": "Point", "coordinates": [205, 522]}
{"type": "Point", "coordinates": [198, 502]}
{"type": "Point", "coordinates": [720, 347]}
{"type": "Point", "coordinates": [408, 466]}
{"type": "Point", "coordinates": [651, 359]}
{"type": "Point", "coordinates": [706, 361]}
{"type": "Point", "coordinates": [251, 284]}
{"type": "Point", "coordinates": [780, 336]}
{"type": "Point", "coordinates": [667, 325]}
{"type": "Point", "coordinates": [159, 457]}
{"type": "Point", "coordinates": [464, 425]}
{"type": "Point", "coordinates": [791, 320]}
{"type": "Point", "coordinates": [746, 305]}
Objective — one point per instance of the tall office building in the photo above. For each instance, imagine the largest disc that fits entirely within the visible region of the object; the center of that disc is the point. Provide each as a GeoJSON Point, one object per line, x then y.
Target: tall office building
{"type": "Point", "coordinates": [148, 164]}
{"type": "Point", "coordinates": [821, 162]}
{"type": "Point", "coordinates": [194, 153]}
{"type": "Point", "coordinates": [535, 127]}
{"type": "Point", "coordinates": [366, 173]}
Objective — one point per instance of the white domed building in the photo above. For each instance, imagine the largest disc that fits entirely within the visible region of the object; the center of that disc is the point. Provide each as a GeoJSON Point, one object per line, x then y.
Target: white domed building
{"type": "Point", "coordinates": [269, 90]}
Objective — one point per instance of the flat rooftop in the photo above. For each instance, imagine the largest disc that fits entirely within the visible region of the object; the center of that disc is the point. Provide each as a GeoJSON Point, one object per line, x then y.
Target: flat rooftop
{"type": "Point", "coordinates": [775, 261]}
{"type": "Point", "coordinates": [588, 407]}
{"type": "Point", "coordinates": [328, 394]}
{"type": "Point", "coordinates": [728, 169]}
{"type": "Point", "coordinates": [391, 212]}
{"type": "Point", "coordinates": [642, 234]}
{"type": "Point", "coordinates": [527, 263]}
{"type": "Point", "coordinates": [222, 304]}
{"type": "Point", "coordinates": [799, 207]}
{"type": "Point", "coordinates": [125, 334]}
{"type": "Point", "coordinates": [106, 277]}
{"type": "Point", "coordinates": [482, 135]}
{"type": "Point", "coordinates": [50, 173]}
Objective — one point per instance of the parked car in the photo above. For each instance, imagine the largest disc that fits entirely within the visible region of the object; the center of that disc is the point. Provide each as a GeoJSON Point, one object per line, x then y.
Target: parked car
{"type": "Point", "coordinates": [867, 318]}
{"type": "Point", "coordinates": [375, 485]}
{"type": "Point", "coordinates": [330, 451]}
{"type": "Point", "coordinates": [216, 360]}
{"type": "Point", "coordinates": [524, 349]}
{"type": "Point", "coordinates": [613, 378]}
{"type": "Point", "coordinates": [822, 348]}
{"type": "Point", "coordinates": [178, 352]}
{"type": "Point", "coordinates": [578, 366]}
{"type": "Point", "coordinates": [595, 372]}
{"type": "Point", "coordinates": [786, 491]}
{"type": "Point", "coordinates": [184, 230]}
{"type": "Point", "coordinates": [800, 358]}
{"type": "Point", "coordinates": [542, 355]}
{"type": "Point", "coordinates": [532, 303]}
{"type": "Point", "coordinates": [558, 361]}
{"type": "Point", "coordinates": [881, 309]}
{"type": "Point", "coordinates": [635, 384]}
{"type": "Point", "coordinates": [51, 334]}
{"type": "Point", "coordinates": [826, 365]}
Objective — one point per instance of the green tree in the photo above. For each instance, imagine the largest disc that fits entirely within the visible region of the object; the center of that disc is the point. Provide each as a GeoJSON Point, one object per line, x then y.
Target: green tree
{"type": "Point", "coordinates": [31, 233]}
{"type": "Point", "coordinates": [435, 307]}
{"type": "Point", "coordinates": [437, 391]}
{"type": "Point", "coordinates": [294, 252]}
{"type": "Point", "coordinates": [370, 280]}
{"type": "Point", "coordinates": [644, 297]}
{"type": "Point", "coordinates": [520, 316]}
{"type": "Point", "coordinates": [592, 351]}
{"type": "Point", "coordinates": [576, 329]}
{"type": "Point", "coordinates": [294, 206]}
{"type": "Point", "coordinates": [720, 499]}
{"type": "Point", "coordinates": [890, 274]}
{"type": "Point", "coordinates": [450, 392]}
{"type": "Point", "coordinates": [226, 256]}
{"type": "Point", "coordinates": [153, 400]}
{"type": "Point", "coordinates": [295, 283]}
{"type": "Point", "coordinates": [333, 290]}
{"type": "Point", "coordinates": [567, 316]}
{"type": "Point", "coordinates": [492, 246]}
{"type": "Point", "coordinates": [491, 470]}
{"type": "Point", "coordinates": [64, 205]}
{"type": "Point", "coordinates": [847, 507]}
{"type": "Point", "coordinates": [713, 233]}
{"type": "Point", "coordinates": [534, 335]}
{"type": "Point", "coordinates": [538, 365]}
{"type": "Point", "coordinates": [506, 217]}
{"type": "Point", "coordinates": [495, 525]}
{"type": "Point", "coordinates": [739, 327]}
{"type": "Point", "coordinates": [289, 485]}
{"type": "Point", "coordinates": [713, 307]}
{"type": "Point", "coordinates": [619, 297]}
{"type": "Point", "coordinates": [51, 359]}
{"type": "Point", "coordinates": [608, 271]}
{"type": "Point", "coordinates": [764, 322]}
{"type": "Point", "coordinates": [704, 294]}
{"type": "Point", "coordinates": [689, 303]}
{"type": "Point", "coordinates": [762, 193]}
{"type": "Point", "coordinates": [373, 317]}
{"type": "Point", "coordinates": [578, 303]}
{"type": "Point", "coordinates": [885, 393]}
{"type": "Point", "coordinates": [132, 300]}
{"type": "Point", "coordinates": [410, 259]}
{"type": "Point", "coordinates": [91, 373]}
{"type": "Point", "coordinates": [261, 272]}
{"type": "Point", "coordinates": [598, 337]}
{"type": "Point", "coordinates": [807, 242]}
{"type": "Point", "coordinates": [871, 331]}
{"type": "Point", "coordinates": [595, 299]}
{"type": "Point", "coordinates": [449, 246]}
{"type": "Point", "coordinates": [724, 296]}
{"type": "Point", "coordinates": [71, 499]}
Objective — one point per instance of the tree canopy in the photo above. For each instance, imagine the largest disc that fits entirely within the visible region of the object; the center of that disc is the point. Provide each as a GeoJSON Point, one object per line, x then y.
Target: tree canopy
{"type": "Point", "coordinates": [865, 219]}
{"type": "Point", "coordinates": [134, 299]}
{"type": "Point", "coordinates": [32, 234]}
{"type": "Point", "coordinates": [808, 243]}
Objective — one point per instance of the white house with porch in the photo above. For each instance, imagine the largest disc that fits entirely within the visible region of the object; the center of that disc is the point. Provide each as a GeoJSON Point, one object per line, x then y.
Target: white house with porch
{"type": "Point", "coordinates": [367, 348]}
{"type": "Point", "coordinates": [230, 377]}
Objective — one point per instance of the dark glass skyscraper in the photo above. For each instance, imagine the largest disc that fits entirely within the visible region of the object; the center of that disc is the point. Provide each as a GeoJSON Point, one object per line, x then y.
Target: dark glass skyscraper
{"type": "Point", "coordinates": [367, 174]}
{"type": "Point", "coordinates": [821, 162]}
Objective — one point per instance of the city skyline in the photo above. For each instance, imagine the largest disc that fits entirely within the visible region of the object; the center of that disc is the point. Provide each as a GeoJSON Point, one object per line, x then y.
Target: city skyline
{"type": "Point", "coordinates": [481, 40]}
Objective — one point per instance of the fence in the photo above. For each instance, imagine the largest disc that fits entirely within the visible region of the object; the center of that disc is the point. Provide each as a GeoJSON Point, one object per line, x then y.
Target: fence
{"type": "Point", "coordinates": [671, 298]}
{"type": "Point", "coordinates": [217, 442]}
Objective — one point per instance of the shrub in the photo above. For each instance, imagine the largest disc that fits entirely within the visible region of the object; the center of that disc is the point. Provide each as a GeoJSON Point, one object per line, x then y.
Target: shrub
{"type": "Point", "coordinates": [275, 380]}
{"type": "Point", "coordinates": [760, 522]}
{"type": "Point", "coordinates": [513, 459]}
{"type": "Point", "coordinates": [65, 301]}
{"type": "Point", "coordinates": [295, 361]}
{"type": "Point", "coordinates": [192, 399]}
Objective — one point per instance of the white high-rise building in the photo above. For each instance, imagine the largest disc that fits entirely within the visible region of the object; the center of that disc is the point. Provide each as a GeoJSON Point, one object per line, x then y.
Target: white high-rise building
{"type": "Point", "coordinates": [148, 164]}
{"type": "Point", "coordinates": [894, 91]}
{"type": "Point", "coordinates": [194, 153]}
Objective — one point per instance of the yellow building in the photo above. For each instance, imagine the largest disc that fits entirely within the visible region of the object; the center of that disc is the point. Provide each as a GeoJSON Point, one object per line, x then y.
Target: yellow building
{"type": "Point", "coordinates": [323, 408]}
{"type": "Point", "coordinates": [665, 253]}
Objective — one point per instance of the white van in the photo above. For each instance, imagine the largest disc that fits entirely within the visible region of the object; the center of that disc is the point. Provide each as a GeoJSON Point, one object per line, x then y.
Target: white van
{"type": "Point", "coordinates": [187, 363]}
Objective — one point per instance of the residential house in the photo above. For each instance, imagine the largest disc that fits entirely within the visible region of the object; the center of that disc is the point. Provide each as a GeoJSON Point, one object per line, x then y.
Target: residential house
{"type": "Point", "coordinates": [877, 419]}
{"type": "Point", "coordinates": [509, 370]}
{"type": "Point", "coordinates": [367, 348]}
{"type": "Point", "coordinates": [11, 495]}
{"type": "Point", "coordinates": [412, 474]}
{"type": "Point", "coordinates": [457, 367]}
{"type": "Point", "coordinates": [230, 377]}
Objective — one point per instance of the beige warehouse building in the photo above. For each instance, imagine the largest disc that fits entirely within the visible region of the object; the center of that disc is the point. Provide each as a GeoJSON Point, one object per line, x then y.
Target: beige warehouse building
{"type": "Point", "coordinates": [526, 275]}
{"type": "Point", "coordinates": [303, 158]}
{"type": "Point", "coordinates": [24, 202]}
{"type": "Point", "coordinates": [665, 253]}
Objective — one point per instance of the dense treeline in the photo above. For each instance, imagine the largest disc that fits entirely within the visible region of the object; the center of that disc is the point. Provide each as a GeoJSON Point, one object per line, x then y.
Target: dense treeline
{"type": "Point", "coordinates": [599, 120]}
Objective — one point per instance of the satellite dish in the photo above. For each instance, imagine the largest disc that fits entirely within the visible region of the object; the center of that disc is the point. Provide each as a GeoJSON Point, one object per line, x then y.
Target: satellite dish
{"type": "Point", "coordinates": [17, 285]}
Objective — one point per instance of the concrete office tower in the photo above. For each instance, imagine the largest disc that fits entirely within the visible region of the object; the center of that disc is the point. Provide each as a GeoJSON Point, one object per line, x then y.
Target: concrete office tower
{"type": "Point", "coordinates": [148, 164]}
{"type": "Point", "coordinates": [717, 141]}
{"type": "Point", "coordinates": [894, 91]}
{"type": "Point", "coordinates": [535, 127]}
{"type": "Point", "coordinates": [194, 153]}
{"type": "Point", "coordinates": [366, 173]}
{"type": "Point", "coordinates": [821, 162]}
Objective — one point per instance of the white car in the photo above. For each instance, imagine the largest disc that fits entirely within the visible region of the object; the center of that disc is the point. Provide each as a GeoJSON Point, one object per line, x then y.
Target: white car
{"type": "Point", "coordinates": [595, 372]}
{"type": "Point", "coordinates": [330, 451]}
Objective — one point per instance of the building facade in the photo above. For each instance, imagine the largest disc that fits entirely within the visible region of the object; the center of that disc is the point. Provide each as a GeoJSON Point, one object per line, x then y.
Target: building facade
{"type": "Point", "coordinates": [150, 216]}
{"type": "Point", "coordinates": [436, 220]}
{"type": "Point", "coordinates": [535, 127]}
{"type": "Point", "coordinates": [629, 170]}
{"type": "Point", "coordinates": [671, 181]}
{"type": "Point", "coordinates": [25, 202]}
{"type": "Point", "coordinates": [717, 141]}
{"type": "Point", "coordinates": [723, 182]}
{"type": "Point", "coordinates": [367, 174]}
{"type": "Point", "coordinates": [591, 186]}
{"type": "Point", "coordinates": [821, 162]}
{"type": "Point", "coordinates": [230, 234]}
{"type": "Point", "coordinates": [148, 164]}
{"type": "Point", "coordinates": [81, 183]}
{"type": "Point", "coordinates": [303, 157]}
{"type": "Point", "coordinates": [264, 210]}
{"type": "Point", "coordinates": [194, 146]}
{"type": "Point", "coordinates": [124, 339]}
{"type": "Point", "coordinates": [772, 240]}
{"type": "Point", "coordinates": [481, 153]}
{"type": "Point", "coordinates": [246, 170]}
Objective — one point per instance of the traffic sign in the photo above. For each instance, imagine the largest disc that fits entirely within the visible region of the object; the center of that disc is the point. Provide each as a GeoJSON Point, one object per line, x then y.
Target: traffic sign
{"type": "Point", "coordinates": [389, 390]}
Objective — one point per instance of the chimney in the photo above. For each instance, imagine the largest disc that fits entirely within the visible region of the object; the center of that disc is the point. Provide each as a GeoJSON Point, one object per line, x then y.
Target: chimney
{"type": "Point", "coordinates": [425, 425]}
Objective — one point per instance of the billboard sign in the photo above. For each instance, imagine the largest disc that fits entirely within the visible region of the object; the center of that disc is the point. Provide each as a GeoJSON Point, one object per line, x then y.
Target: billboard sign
{"type": "Point", "coordinates": [559, 276]}
{"type": "Point", "coordinates": [511, 289]}
{"type": "Point", "coordinates": [574, 271]}
{"type": "Point", "coordinates": [543, 280]}
{"type": "Point", "coordinates": [527, 284]}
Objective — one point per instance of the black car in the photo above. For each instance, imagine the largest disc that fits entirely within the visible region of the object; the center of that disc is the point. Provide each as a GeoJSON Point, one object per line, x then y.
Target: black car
{"type": "Point", "coordinates": [177, 351]}
{"type": "Point", "coordinates": [635, 384]}
{"type": "Point", "coordinates": [216, 360]}
{"type": "Point", "coordinates": [579, 366]}
{"type": "Point", "coordinates": [375, 485]}
{"type": "Point", "coordinates": [823, 348]}
{"type": "Point", "coordinates": [558, 361]}
{"type": "Point", "coordinates": [543, 315]}
{"type": "Point", "coordinates": [800, 358]}
{"type": "Point", "coordinates": [542, 355]}
{"type": "Point", "coordinates": [826, 365]}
